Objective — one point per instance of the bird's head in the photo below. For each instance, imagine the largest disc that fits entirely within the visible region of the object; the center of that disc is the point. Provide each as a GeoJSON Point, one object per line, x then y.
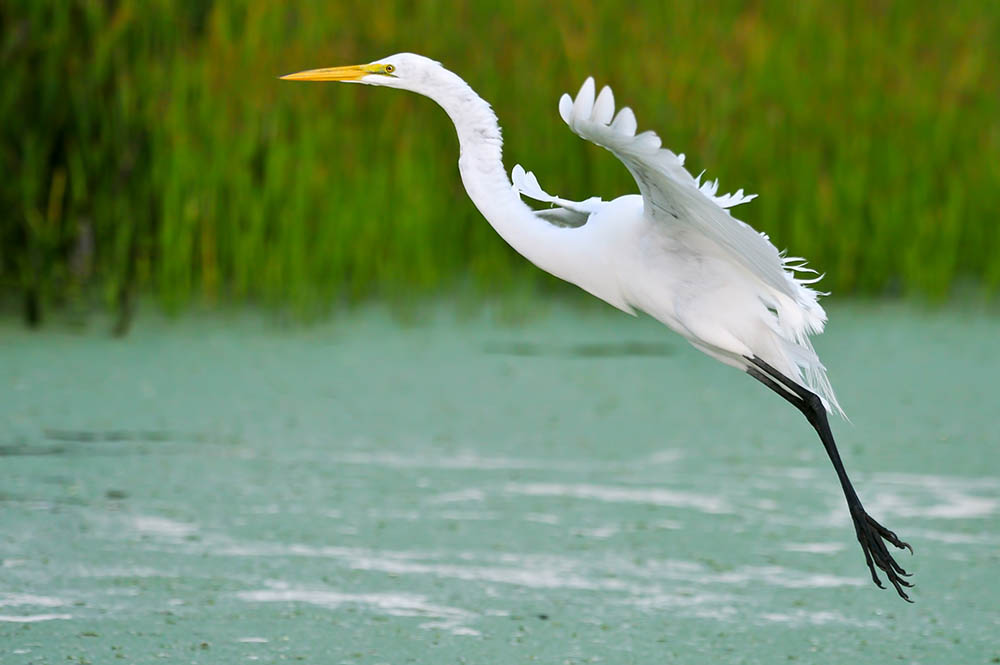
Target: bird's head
{"type": "Point", "coordinates": [402, 70]}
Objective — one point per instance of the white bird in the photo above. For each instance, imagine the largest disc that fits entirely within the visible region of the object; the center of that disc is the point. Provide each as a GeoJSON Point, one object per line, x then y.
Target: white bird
{"type": "Point", "coordinates": [674, 252]}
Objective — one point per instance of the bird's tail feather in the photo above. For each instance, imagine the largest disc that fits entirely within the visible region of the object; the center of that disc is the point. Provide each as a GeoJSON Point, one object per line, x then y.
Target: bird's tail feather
{"type": "Point", "coordinates": [794, 321]}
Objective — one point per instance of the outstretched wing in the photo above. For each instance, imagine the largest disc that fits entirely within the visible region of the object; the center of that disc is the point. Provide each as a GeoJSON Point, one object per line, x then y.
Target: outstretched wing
{"type": "Point", "coordinates": [566, 212]}
{"type": "Point", "coordinates": [670, 193]}
{"type": "Point", "coordinates": [673, 197]}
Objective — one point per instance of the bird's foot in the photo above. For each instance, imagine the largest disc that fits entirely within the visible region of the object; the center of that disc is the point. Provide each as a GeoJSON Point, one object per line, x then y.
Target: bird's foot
{"type": "Point", "coordinates": [873, 537]}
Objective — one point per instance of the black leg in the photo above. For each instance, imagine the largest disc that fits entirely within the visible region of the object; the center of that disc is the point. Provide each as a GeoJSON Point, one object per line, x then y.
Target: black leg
{"type": "Point", "coordinates": [870, 533]}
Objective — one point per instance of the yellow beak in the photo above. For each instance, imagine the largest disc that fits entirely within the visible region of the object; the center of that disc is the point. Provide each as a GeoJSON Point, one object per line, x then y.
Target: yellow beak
{"type": "Point", "coordinates": [350, 73]}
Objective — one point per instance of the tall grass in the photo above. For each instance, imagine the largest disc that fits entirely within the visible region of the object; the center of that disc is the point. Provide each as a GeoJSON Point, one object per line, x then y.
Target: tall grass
{"type": "Point", "coordinates": [149, 147]}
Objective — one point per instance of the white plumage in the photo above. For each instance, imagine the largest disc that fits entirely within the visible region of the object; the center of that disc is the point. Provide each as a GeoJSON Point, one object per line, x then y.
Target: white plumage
{"type": "Point", "coordinates": [726, 289]}
{"type": "Point", "coordinates": [674, 251]}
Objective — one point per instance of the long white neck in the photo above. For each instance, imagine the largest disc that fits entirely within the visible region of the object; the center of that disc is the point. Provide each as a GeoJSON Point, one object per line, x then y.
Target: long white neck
{"type": "Point", "coordinates": [551, 248]}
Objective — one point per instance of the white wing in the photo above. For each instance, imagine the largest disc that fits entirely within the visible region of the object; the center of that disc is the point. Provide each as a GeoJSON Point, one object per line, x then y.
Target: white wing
{"type": "Point", "coordinates": [673, 197]}
{"type": "Point", "coordinates": [526, 184]}
{"type": "Point", "coordinates": [670, 193]}
{"type": "Point", "coordinates": [568, 213]}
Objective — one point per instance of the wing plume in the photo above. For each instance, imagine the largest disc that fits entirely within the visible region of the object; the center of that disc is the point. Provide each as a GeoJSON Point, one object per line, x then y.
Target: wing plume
{"type": "Point", "coordinates": [673, 197]}
{"type": "Point", "coordinates": [526, 184]}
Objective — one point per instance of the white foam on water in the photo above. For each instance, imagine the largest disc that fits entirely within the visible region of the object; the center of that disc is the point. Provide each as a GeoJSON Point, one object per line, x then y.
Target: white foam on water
{"type": "Point", "coordinates": [253, 640]}
{"type": "Point", "coordinates": [456, 461]}
{"type": "Point", "coordinates": [405, 515]}
{"type": "Point", "coordinates": [547, 571]}
{"type": "Point", "coordinates": [423, 515]}
{"type": "Point", "coordinates": [927, 480]}
{"type": "Point", "coordinates": [459, 496]}
{"type": "Point", "coordinates": [726, 607]}
{"type": "Point", "coordinates": [797, 473]}
{"type": "Point", "coordinates": [815, 548]}
{"type": "Point", "coordinates": [926, 496]}
{"type": "Point", "coordinates": [123, 571]}
{"type": "Point", "coordinates": [724, 613]}
{"type": "Point", "coordinates": [960, 507]}
{"type": "Point", "coordinates": [19, 599]}
{"type": "Point", "coordinates": [954, 506]}
{"type": "Point", "coordinates": [956, 538]}
{"type": "Point", "coordinates": [684, 598]}
{"type": "Point", "coordinates": [163, 527]}
{"type": "Point", "coordinates": [766, 504]}
{"type": "Point", "coordinates": [532, 571]}
{"type": "Point", "coordinates": [262, 549]}
{"type": "Point", "coordinates": [541, 518]}
{"type": "Point", "coordinates": [695, 573]}
{"type": "Point", "coordinates": [816, 618]}
{"type": "Point", "coordinates": [668, 456]}
{"type": "Point", "coordinates": [466, 515]}
{"type": "Point", "coordinates": [455, 631]}
{"type": "Point", "coordinates": [599, 532]}
{"type": "Point", "coordinates": [536, 576]}
{"type": "Point", "coordinates": [393, 604]}
{"type": "Point", "coordinates": [946, 503]}
{"type": "Point", "coordinates": [782, 577]}
{"type": "Point", "coordinates": [31, 618]}
{"type": "Point", "coordinates": [614, 494]}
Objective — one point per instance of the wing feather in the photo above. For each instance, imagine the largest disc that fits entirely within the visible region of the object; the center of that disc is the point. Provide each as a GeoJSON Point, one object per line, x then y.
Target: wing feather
{"type": "Point", "coordinates": [526, 184]}
{"type": "Point", "coordinates": [604, 106]}
{"type": "Point", "coordinates": [625, 122]}
{"type": "Point", "coordinates": [675, 198]}
{"type": "Point", "coordinates": [671, 195]}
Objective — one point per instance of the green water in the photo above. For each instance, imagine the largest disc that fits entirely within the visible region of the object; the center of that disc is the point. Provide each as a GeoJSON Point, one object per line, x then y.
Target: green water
{"type": "Point", "coordinates": [581, 488]}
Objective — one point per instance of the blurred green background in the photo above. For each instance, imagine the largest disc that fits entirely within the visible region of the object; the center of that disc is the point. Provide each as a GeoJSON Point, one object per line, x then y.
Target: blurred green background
{"type": "Point", "coordinates": [148, 149]}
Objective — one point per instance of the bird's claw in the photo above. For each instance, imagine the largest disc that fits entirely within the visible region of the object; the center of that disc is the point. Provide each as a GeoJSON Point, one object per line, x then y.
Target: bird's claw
{"type": "Point", "coordinates": [873, 537]}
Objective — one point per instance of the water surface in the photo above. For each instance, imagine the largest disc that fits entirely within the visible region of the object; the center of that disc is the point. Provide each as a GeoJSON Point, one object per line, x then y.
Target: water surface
{"type": "Point", "coordinates": [581, 488]}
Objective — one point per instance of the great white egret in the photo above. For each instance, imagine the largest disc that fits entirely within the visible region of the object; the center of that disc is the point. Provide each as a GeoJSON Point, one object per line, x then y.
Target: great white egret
{"type": "Point", "coordinates": [675, 252]}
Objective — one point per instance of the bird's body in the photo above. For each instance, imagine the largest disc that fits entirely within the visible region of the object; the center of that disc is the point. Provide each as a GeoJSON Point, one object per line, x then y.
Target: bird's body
{"type": "Point", "coordinates": [679, 278]}
{"type": "Point", "coordinates": [632, 257]}
{"type": "Point", "coordinates": [674, 251]}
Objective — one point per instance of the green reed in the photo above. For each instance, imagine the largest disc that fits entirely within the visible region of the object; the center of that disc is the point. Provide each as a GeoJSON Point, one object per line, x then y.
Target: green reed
{"type": "Point", "coordinates": [149, 147]}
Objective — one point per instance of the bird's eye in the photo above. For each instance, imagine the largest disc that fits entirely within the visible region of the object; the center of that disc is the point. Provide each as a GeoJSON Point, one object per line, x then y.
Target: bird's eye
{"type": "Point", "coordinates": [389, 69]}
